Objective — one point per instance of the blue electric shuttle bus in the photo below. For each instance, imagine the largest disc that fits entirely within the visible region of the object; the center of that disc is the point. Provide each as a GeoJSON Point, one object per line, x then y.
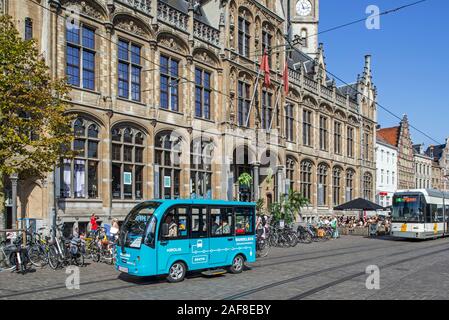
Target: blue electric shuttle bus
{"type": "Point", "coordinates": [171, 237]}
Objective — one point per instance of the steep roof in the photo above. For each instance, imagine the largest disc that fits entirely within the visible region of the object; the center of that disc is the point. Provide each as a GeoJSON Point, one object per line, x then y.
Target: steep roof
{"type": "Point", "coordinates": [380, 139]}
{"type": "Point", "coordinates": [350, 89]}
{"type": "Point", "coordinates": [390, 135]}
{"type": "Point", "coordinates": [435, 152]}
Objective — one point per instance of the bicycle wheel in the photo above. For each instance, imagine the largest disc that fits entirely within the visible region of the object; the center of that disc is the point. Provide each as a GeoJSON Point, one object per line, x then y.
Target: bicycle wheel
{"type": "Point", "coordinates": [53, 257]}
{"type": "Point", "coordinates": [79, 260]}
{"type": "Point", "coordinates": [263, 249]}
{"type": "Point", "coordinates": [36, 256]}
{"type": "Point", "coordinates": [293, 239]}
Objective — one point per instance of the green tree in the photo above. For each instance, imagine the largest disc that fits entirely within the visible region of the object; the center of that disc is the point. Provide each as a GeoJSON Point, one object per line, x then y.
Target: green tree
{"type": "Point", "coordinates": [33, 120]}
{"type": "Point", "coordinates": [288, 208]}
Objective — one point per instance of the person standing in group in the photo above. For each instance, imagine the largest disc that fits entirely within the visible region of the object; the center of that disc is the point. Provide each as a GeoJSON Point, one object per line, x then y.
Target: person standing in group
{"type": "Point", "coordinates": [93, 224]}
{"type": "Point", "coordinates": [334, 225]}
{"type": "Point", "coordinates": [115, 228]}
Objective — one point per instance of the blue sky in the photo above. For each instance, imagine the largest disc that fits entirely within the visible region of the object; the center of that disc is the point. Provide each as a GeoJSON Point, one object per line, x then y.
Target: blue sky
{"type": "Point", "coordinates": [410, 55]}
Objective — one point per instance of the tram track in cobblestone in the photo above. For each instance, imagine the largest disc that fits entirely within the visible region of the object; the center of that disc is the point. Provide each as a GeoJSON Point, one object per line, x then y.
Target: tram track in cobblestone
{"type": "Point", "coordinates": [334, 268]}
{"type": "Point", "coordinates": [153, 281]}
{"type": "Point", "coordinates": [96, 282]}
{"type": "Point", "coordinates": [144, 283]}
{"type": "Point", "coordinates": [313, 291]}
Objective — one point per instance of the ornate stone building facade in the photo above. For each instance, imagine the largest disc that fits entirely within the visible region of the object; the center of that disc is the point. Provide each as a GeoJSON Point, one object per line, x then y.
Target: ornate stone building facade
{"type": "Point", "coordinates": [400, 138]}
{"type": "Point", "coordinates": [440, 155]}
{"type": "Point", "coordinates": [423, 168]}
{"type": "Point", "coordinates": [169, 104]}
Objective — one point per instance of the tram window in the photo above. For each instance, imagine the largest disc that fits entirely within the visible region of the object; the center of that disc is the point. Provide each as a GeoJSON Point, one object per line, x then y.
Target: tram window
{"type": "Point", "coordinates": [447, 212]}
{"type": "Point", "coordinates": [176, 221]}
{"type": "Point", "coordinates": [440, 214]}
{"type": "Point", "coordinates": [431, 213]}
{"type": "Point", "coordinates": [199, 223]}
{"type": "Point", "coordinates": [244, 223]}
{"type": "Point", "coordinates": [221, 221]}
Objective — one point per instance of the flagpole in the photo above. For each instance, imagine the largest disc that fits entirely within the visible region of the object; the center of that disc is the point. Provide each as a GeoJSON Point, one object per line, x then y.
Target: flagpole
{"type": "Point", "coordinates": [256, 83]}
{"type": "Point", "coordinates": [276, 107]}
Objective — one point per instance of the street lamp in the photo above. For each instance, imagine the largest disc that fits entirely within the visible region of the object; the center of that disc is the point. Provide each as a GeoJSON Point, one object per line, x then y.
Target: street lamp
{"type": "Point", "coordinates": [14, 177]}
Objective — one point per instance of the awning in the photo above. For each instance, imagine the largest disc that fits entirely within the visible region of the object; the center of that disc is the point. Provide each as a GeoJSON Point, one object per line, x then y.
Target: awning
{"type": "Point", "coordinates": [359, 204]}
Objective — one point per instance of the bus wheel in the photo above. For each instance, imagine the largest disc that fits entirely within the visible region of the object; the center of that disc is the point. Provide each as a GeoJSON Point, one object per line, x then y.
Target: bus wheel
{"type": "Point", "coordinates": [177, 272]}
{"type": "Point", "coordinates": [237, 264]}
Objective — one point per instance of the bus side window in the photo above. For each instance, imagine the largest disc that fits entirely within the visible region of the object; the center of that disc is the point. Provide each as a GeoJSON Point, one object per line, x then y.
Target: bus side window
{"type": "Point", "coordinates": [221, 221]}
{"type": "Point", "coordinates": [199, 222]}
{"type": "Point", "coordinates": [176, 221]}
{"type": "Point", "coordinates": [244, 224]}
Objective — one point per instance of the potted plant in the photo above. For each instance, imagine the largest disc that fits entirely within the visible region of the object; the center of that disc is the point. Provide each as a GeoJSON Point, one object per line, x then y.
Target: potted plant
{"type": "Point", "coordinates": [245, 181]}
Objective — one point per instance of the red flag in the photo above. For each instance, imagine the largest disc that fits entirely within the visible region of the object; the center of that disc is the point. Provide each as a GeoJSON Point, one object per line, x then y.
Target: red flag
{"type": "Point", "coordinates": [285, 78]}
{"type": "Point", "coordinates": [265, 67]}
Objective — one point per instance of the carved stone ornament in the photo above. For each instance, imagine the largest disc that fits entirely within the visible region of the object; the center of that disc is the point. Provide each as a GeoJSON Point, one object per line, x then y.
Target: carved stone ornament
{"type": "Point", "coordinates": [308, 102]}
{"type": "Point", "coordinates": [131, 27]}
{"type": "Point", "coordinates": [170, 42]}
{"type": "Point", "coordinates": [84, 8]}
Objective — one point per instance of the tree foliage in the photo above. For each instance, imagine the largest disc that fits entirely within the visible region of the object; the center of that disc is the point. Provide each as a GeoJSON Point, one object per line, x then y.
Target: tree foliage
{"type": "Point", "coordinates": [289, 207]}
{"type": "Point", "coordinates": [33, 122]}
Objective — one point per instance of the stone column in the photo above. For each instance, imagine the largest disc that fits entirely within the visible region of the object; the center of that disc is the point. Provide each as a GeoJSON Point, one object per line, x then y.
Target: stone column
{"type": "Point", "coordinates": [256, 171]}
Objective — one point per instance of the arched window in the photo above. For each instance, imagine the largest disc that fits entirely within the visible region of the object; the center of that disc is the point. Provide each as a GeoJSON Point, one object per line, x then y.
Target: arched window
{"type": "Point", "coordinates": [167, 156]}
{"type": "Point", "coordinates": [350, 184]}
{"type": "Point", "coordinates": [79, 177]}
{"type": "Point", "coordinates": [336, 183]}
{"type": "Point", "coordinates": [244, 35]}
{"type": "Point", "coordinates": [367, 186]}
{"type": "Point", "coordinates": [322, 184]}
{"type": "Point", "coordinates": [306, 179]}
{"type": "Point", "coordinates": [127, 163]}
{"type": "Point", "coordinates": [290, 172]}
{"type": "Point", "coordinates": [201, 168]}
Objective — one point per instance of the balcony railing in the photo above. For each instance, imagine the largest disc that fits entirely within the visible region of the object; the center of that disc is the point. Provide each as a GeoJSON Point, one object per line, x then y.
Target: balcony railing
{"type": "Point", "coordinates": [140, 5]}
{"type": "Point", "coordinates": [311, 84]}
{"type": "Point", "coordinates": [327, 92]}
{"type": "Point", "coordinates": [172, 16]}
{"type": "Point", "coordinates": [206, 33]}
{"type": "Point", "coordinates": [341, 99]}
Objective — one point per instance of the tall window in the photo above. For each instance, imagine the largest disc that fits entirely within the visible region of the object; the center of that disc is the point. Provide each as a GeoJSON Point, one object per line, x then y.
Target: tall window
{"type": "Point", "coordinates": [350, 142]}
{"type": "Point", "coordinates": [169, 81]}
{"type": "Point", "coordinates": [323, 133]}
{"type": "Point", "coordinates": [267, 109]}
{"type": "Point", "coordinates": [349, 184]}
{"type": "Point", "coordinates": [127, 163]}
{"type": "Point", "coordinates": [337, 137]}
{"type": "Point", "coordinates": [244, 36]}
{"type": "Point", "coordinates": [244, 102]}
{"type": "Point", "coordinates": [367, 146]}
{"type": "Point", "coordinates": [201, 168]}
{"type": "Point", "coordinates": [129, 70]}
{"type": "Point", "coordinates": [80, 59]}
{"type": "Point", "coordinates": [79, 177]}
{"type": "Point", "coordinates": [266, 44]}
{"type": "Point", "coordinates": [290, 172]}
{"type": "Point", "coordinates": [322, 174]}
{"type": "Point", "coordinates": [306, 180]}
{"type": "Point", "coordinates": [336, 182]}
{"type": "Point", "coordinates": [289, 123]}
{"type": "Point", "coordinates": [367, 186]}
{"type": "Point", "coordinates": [202, 93]}
{"type": "Point", "coordinates": [307, 128]}
{"type": "Point", "coordinates": [28, 28]}
{"type": "Point", "coordinates": [167, 156]}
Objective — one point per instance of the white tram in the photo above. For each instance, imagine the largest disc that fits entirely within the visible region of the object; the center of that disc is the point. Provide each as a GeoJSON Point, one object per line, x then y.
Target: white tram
{"type": "Point", "coordinates": [420, 214]}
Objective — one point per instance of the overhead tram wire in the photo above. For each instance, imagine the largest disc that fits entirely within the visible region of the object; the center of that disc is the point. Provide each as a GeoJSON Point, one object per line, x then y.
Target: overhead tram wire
{"type": "Point", "coordinates": [368, 98]}
{"type": "Point", "coordinates": [289, 43]}
{"type": "Point", "coordinates": [295, 42]}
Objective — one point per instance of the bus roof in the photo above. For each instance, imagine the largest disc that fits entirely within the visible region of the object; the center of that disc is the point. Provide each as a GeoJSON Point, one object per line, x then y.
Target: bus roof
{"type": "Point", "coordinates": [170, 202]}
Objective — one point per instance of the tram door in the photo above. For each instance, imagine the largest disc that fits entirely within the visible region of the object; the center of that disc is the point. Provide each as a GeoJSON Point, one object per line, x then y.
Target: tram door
{"type": "Point", "coordinates": [446, 218]}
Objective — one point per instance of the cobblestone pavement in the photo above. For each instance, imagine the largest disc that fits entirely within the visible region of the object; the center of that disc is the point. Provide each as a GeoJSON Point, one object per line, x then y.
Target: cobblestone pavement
{"type": "Point", "coordinates": [328, 270]}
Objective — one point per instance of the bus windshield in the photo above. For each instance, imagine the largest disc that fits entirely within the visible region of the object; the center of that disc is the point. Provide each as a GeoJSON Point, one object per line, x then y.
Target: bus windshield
{"type": "Point", "coordinates": [408, 208]}
{"type": "Point", "coordinates": [135, 224]}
